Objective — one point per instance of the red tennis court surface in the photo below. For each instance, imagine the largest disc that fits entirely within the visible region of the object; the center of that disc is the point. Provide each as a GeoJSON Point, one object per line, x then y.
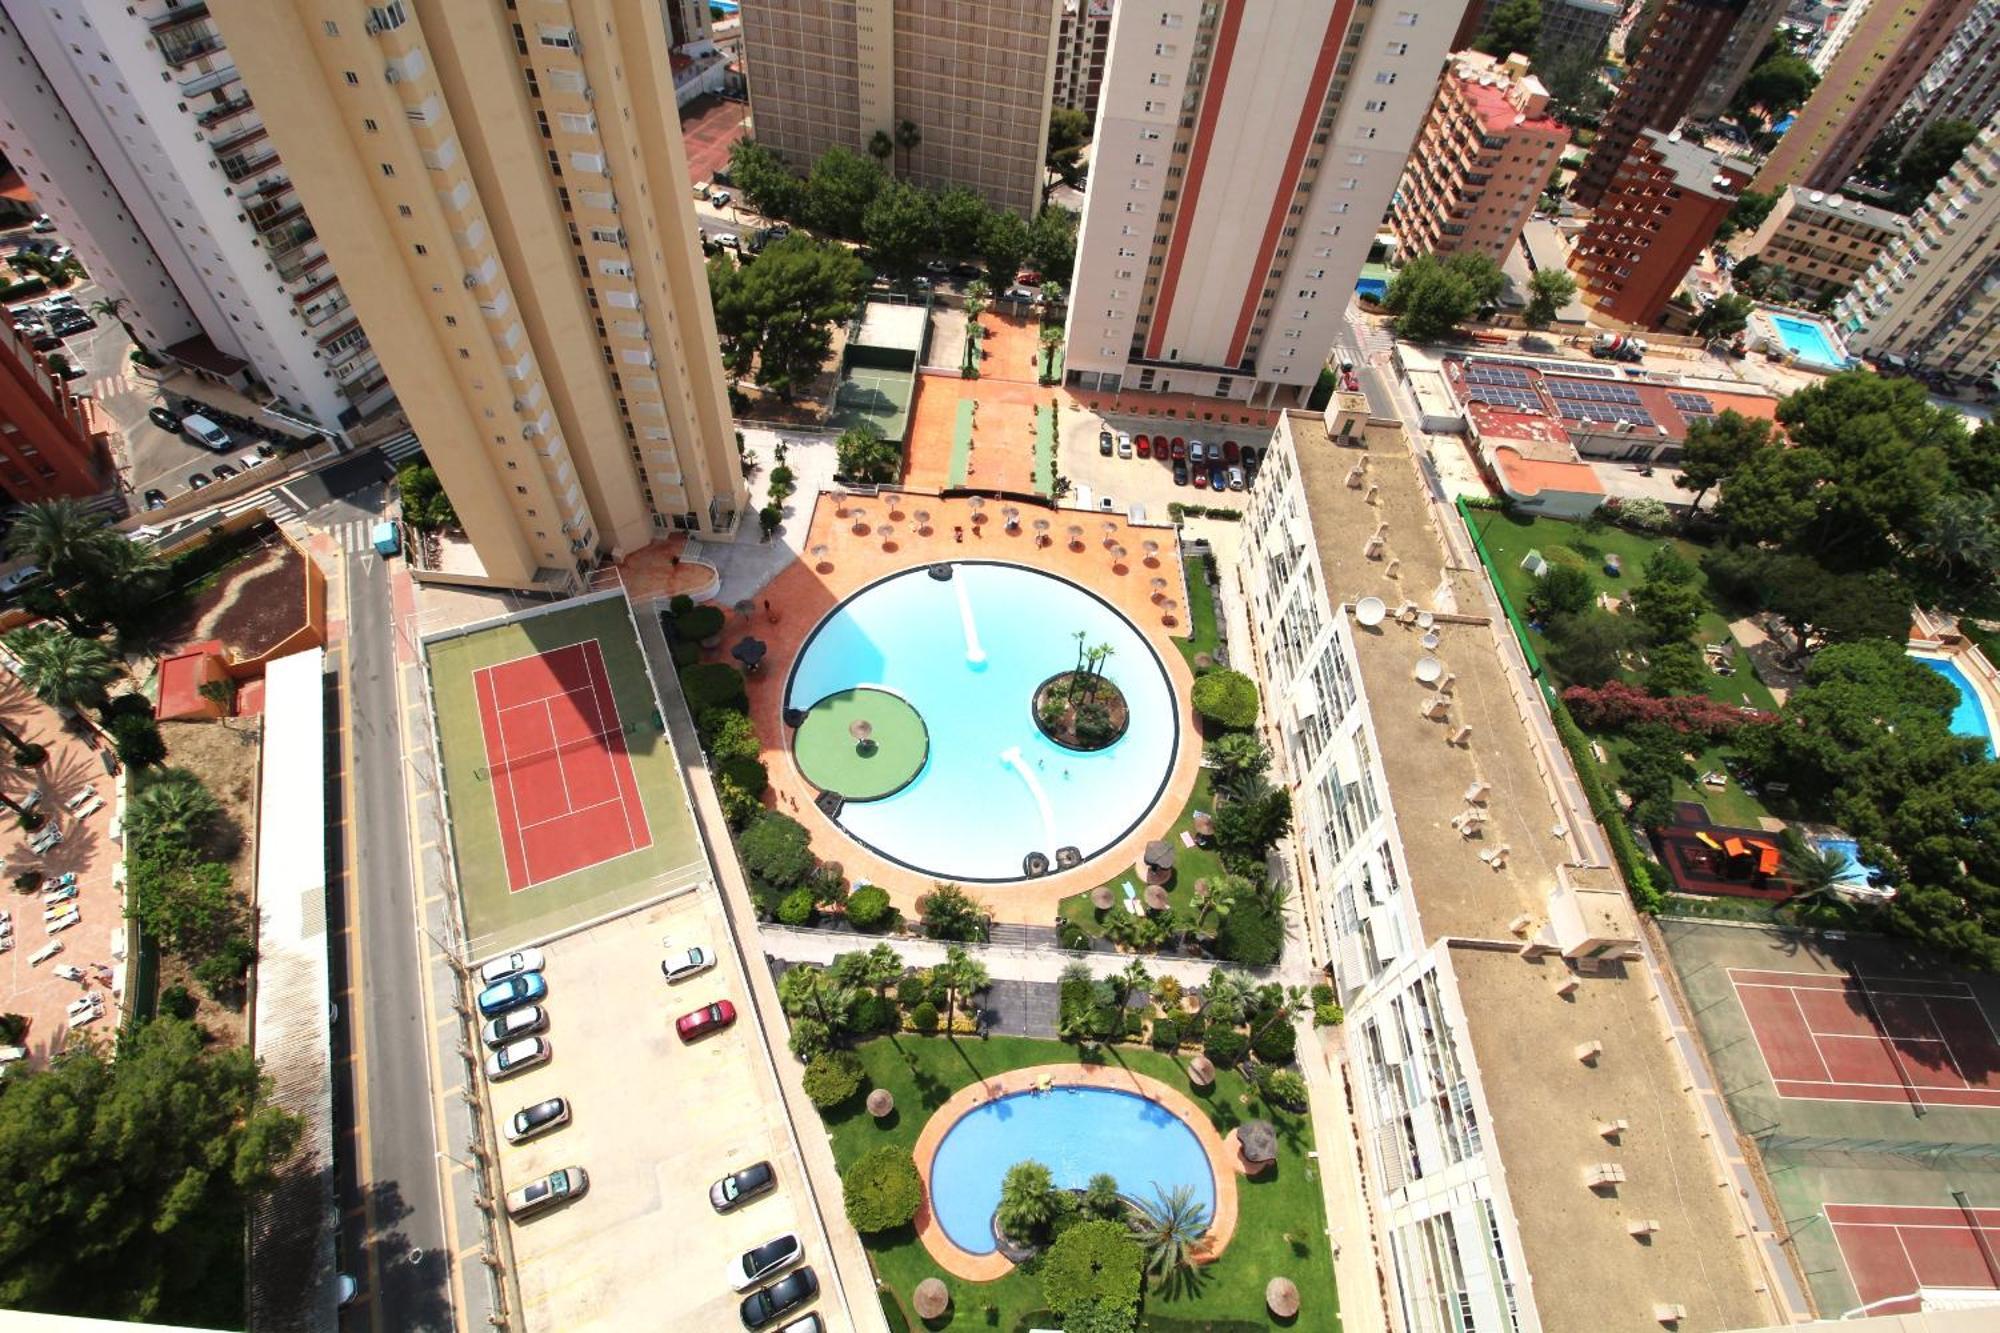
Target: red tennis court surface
{"type": "Point", "coordinates": [1880, 1039]}
{"type": "Point", "coordinates": [562, 782]}
{"type": "Point", "coordinates": [1890, 1250]}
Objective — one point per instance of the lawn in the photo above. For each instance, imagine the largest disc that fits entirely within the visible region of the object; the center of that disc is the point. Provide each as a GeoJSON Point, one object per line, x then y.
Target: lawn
{"type": "Point", "coordinates": [1190, 864]}
{"type": "Point", "coordinates": [1282, 1218]}
{"type": "Point", "coordinates": [1203, 637]}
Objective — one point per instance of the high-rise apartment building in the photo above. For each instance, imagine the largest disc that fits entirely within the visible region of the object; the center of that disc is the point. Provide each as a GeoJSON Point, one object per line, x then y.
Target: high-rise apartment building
{"type": "Point", "coordinates": [1660, 211]}
{"type": "Point", "coordinates": [170, 172]}
{"type": "Point", "coordinates": [1963, 83]}
{"type": "Point", "coordinates": [1737, 55]}
{"type": "Point", "coordinates": [508, 189]}
{"type": "Point", "coordinates": [1679, 52]}
{"type": "Point", "coordinates": [1576, 29]}
{"type": "Point", "coordinates": [47, 447]}
{"type": "Point", "coordinates": [973, 77]}
{"type": "Point", "coordinates": [1890, 47]}
{"type": "Point", "coordinates": [1820, 244]}
{"type": "Point", "coordinates": [1082, 41]}
{"type": "Point", "coordinates": [1932, 298]}
{"type": "Point", "coordinates": [1481, 161]}
{"type": "Point", "coordinates": [1245, 154]}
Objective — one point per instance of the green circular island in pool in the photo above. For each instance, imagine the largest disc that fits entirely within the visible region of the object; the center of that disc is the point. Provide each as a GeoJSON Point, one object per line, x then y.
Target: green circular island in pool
{"type": "Point", "coordinates": [862, 744]}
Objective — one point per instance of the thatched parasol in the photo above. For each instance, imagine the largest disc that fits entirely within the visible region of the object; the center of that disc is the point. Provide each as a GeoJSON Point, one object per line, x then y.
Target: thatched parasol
{"type": "Point", "coordinates": [1100, 897]}
{"type": "Point", "coordinates": [1159, 855]}
{"type": "Point", "coordinates": [923, 517]}
{"type": "Point", "coordinates": [749, 651]}
{"type": "Point", "coordinates": [1012, 515]}
{"type": "Point", "coordinates": [1156, 898]}
{"type": "Point", "coordinates": [1201, 1071]}
{"type": "Point", "coordinates": [881, 1104]}
{"type": "Point", "coordinates": [1204, 824]}
{"type": "Point", "coordinates": [747, 606]}
{"type": "Point", "coordinates": [1159, 588]}
{"type": "Point", "coordinates": [1257, 1140]}
{"type": "Point", "coordinates": [887, 531]}
{"type": "Point", "coordinates": [1281, 1295]}
{"type": "Point", "coordinates": [1041, 531]}
{"type": "Point", "coordinates": [1076, 536]}
{"type": "Point", "coordinates": [932, 1299]}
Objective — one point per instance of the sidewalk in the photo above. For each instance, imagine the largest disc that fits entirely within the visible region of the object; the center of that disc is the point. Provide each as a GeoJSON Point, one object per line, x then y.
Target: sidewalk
{"type": "Point", "coordinates": [1356, 1269]}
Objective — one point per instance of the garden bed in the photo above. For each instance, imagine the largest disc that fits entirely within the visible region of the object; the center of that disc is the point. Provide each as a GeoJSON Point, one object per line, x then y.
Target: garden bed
{"type": "Point", "coordinates": [250, 604]}
{"type": "Point", "coordinates": [1081, 711]}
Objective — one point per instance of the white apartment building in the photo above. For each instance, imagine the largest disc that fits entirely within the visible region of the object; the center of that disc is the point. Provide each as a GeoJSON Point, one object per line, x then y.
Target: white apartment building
{"type": "Point", "coordinates": [1931, 300]}
{"type": "Point", "coordinates": [1527, 1150]}
{"type": "Point", "coordinates": [1243, 160]}
{"type": "Point", "coordinates": [196, 194]}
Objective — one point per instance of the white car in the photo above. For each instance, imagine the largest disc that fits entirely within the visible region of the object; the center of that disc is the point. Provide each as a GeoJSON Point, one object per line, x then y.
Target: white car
{"type": "Point", "coordinates": [746, 1270]}
{"type": "Point", "coordinates": [523, 1054]}
{"type": "Point", "coordinates": [1124, 444]}
{"type": "Point", "coordinates": [534, 1121]}
{"type": "Point", "coordinates": [511, 965]}
{"type": "Point", "coordinates": [720, 198]}
{"type": "Point", "coordinates": [556, 1187]}
{"type": "Point", "coordinates": [685, 963]}
{"type": "Point", "coordinates": [252, 459]}
{"type": "Point", "coordinates": [513, 1025]}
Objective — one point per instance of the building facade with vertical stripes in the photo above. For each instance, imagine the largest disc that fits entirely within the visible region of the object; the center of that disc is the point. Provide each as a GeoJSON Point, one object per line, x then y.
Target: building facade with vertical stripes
{"type": "Point", "coordinates": [1245, 155]}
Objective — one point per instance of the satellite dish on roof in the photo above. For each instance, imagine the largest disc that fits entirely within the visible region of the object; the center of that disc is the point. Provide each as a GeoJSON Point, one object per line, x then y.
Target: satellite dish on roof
{"type": "Point", "coordinates": [1816, 196]}
{"type": "Point", "coordinates": [1370, 610]}
{"type": "Point", "coordinates": [1429, 669]}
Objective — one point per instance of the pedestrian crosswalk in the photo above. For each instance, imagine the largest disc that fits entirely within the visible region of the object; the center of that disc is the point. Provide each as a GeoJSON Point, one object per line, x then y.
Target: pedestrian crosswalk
{"type": "Point", "coordinates": [275, 502]}
{"type": "Point", "coordinates": [400, 447]}
{"type": "Point", "coordinates": [355, 536]}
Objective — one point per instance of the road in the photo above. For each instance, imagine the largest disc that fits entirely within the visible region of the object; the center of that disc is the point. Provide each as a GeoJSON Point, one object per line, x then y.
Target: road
{"type": "Point", "coordinates": [392, 1234]}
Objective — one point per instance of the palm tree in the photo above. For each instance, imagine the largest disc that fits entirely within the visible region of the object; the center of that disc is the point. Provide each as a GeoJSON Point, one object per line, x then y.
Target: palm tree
{"type": "Point", "coordinates": [1051, 338]}
{"type": "Point", "coordinates": [1170, 1231]}
{"type": "Point", "coordinates": [63, 670]}
{"type": "Point", "coordinates": [113, 307]}
{"type": "Point", "coordinates": [1100, 1197]}
{"type": "Point", "coordinates": [1099, 655]}
{"type": "Point", "coordinates": [806, 990]}
{"type": "Point", "coordinates": [1211, 898]}
{"type": "Point", "coordinates": [1134, 979]}
{"type": "Point", "coordinates": [962, 974]}
{"type": "Point", "coordinates": [1283, 1004]}
{"type": "Point", "coordinates": [1814, 873]}
{"type": "Point", "coordinates": [884, 969]}
{"type": "Point", "coordinates": [1223, 998]}
{"type": "Point", "coordinates": [881, 146]}
{"type": "Point", "coordinates": [1962, 533]}
{"type": "Point", "coordinates": [908, 136]}
{"type": "Point", "coordinates": [61, 536]}
{"type": "Point", "coordinates": [1027, 1200]}
{"type": "Point", "coordinates": [175, 806]}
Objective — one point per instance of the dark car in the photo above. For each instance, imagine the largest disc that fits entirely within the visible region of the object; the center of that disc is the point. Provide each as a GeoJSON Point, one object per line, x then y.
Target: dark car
{"type": "Point", "coordinates": [164, 418]}
{"type": "Point", "coordinates": [1231, 451]}
{"type": "Point", "coordinates": [1180, 473]}
{"type": "Point", "coordinates": [1218, 477]}
{"type": "Point", "coordinates": [709, 1018]}
{"type": "Point", "coordinates": [222, 471]}
{"type": "Point", "coordinates": [779, 1299]}
{"type": "Point", "coordinates": [197, 480]}
{"type": "Point", "coordinates": [156, 498]}
{"type": "Point", "coordinates": [967, 272]}
{"type": "Point", "coordinates": [1104, 443]}
{"type": "Point", "coordinates": [739, 1187]}
{"type": "Point", "coordinates": [531, 1121]}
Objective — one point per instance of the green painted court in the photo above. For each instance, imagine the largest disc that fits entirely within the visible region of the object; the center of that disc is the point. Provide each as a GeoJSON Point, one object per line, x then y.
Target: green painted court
{"type": "Point", "coordinates": [863, 743]}
{"type": "Point", "coordinates": [494, 796]}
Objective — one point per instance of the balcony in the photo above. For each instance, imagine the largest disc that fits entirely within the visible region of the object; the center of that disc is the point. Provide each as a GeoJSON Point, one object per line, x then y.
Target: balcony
{"type": "Point", "coordinates": [190, 45]}
{"type": "Point", "coordinates": [177, 17]}
{"type": "Point", "coordinates": [222, 111]}
{"type": "Point", "coordinates": [228, 147]}
{"type": "Point", "coordinates": [240, 168]}
{"type": "Point", "coordinates": [208, 81]}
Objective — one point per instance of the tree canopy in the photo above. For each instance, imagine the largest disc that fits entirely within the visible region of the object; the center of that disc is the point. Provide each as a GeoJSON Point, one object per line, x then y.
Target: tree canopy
{"type": "Point", "coordinates": [780, 311]}
{"type": "Point", "coordinates": [1003, 242]}
{"type": "Point", "coordinates": [1780, 84]}
{"type": "Point", "coordinates": [900, 226]}
{"type": "Point", "coordinates": [862, 455]}
{"type": "Point", "coordinates": [1430, 296]}
{"type": "Point", "coordinates": [1068, 129]}
{"type": "Point", "coordinates": [764, 181]}
{"type": "Point", "coordinates": [1716, 447]}
{"type": "Point", "coordinates": [1725, 317]}
{"type": "Point", "coordinates": [838, 192]}
{"type": "Point", "coordinates": [1549, 290]}
{"type": "Point", "coordinates": [1935, 151]}
{"type": "Point", "coordinates": [1514, 25]}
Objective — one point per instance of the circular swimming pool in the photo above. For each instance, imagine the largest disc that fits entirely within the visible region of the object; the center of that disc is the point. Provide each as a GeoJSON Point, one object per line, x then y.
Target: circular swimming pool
{"type": "Point", "coordinates": [995, 800]}
{"type": "Point", "coordinates": [1076, 1133]}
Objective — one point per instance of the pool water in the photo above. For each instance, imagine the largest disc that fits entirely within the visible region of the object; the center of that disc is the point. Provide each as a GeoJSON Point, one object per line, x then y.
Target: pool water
{"type": "Point", "coordinates": [969, 653]}
{"type": "Point", "coordinates": [1807, 341]}
{"type": "Point", "coordinates": [1969, 718]}
{"type": "Point", "coordinates": [1075, 1133]}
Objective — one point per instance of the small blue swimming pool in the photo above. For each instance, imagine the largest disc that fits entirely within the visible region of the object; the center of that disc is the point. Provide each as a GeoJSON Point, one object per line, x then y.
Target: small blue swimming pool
{"type": "Point", "coordinates": [1372, 288]}
{"type": "Point", "coordinates": [1075, 1133]}
{"type": "Point", "coordinates": [1807, 340]}
{"type": "Point", "coordinates": [1969, 718]}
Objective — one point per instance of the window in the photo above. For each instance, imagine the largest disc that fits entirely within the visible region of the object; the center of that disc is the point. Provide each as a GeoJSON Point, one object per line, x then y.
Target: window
{"type": "Point", "coordinates": [370, 127]}
{"type": "Point", "coordinates": [1386, 76]}
{"type": "Point", "coordinates": [403, 210]}
{"type": "Point", "coordinates": [1376, 105]}
{"type": "Point", "coordinates": [1399, 48]}
{"type": "Point", "coordinates": [387, 169]}
{"type": "Point", "coordinates": [353, 79]}
{"type": "Point", "coordinates": [332, 28]}
{"type": "Point", "coordinates": [451, 321]}
{"type": "Point", "coordinates": [421, 249]}
{"type": "Point", "coordinates": [1406, 19]}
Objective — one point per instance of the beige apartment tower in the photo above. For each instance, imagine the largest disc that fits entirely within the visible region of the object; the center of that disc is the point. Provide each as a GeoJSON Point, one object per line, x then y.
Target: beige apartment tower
{"type": "Point", "coordinates": [974, 77]}
{"type": "Point", "coordinates": [508, 188]}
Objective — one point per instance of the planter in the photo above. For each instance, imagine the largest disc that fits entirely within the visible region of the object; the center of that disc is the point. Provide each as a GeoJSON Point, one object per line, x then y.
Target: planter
{"type": "Point", "coordinates": [1080, 712]}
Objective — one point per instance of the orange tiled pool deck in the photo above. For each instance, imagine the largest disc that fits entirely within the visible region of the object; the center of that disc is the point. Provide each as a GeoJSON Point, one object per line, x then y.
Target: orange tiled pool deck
{"type": "Point", "coordinates": [1222, 1163]}
{"type": "Point", "coordinates": [847, 550]}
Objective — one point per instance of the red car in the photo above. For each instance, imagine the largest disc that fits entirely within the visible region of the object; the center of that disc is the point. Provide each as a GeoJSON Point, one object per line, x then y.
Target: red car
{"type": "Point", "coordinates": [1178, 448]}
{"type": "Point", "coordinates": [709, 1018]}
{"type": "Point", "coordinates": [1143, 445]}
{"type": "Point", "coordinates": [1230, 451]}
{"type": "Point", "coordinates": [1200, 477]}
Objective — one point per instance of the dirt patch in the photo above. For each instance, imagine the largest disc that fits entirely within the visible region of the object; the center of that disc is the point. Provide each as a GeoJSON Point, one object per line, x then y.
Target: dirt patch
{"type": "Point", "coordinates": [252, 603]}
{"type": "Point", "coordinates": [225, 758]}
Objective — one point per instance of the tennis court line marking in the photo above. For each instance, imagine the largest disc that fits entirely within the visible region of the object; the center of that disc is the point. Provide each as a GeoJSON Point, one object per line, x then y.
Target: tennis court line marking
{"type": "Point", "coordinates": [578, 810]}
{"type": "Point", "coordinates": [595, 662]}
{"type": "Point", "coordinates": [549, 711]}
{"type": "Point", "coordinates": [1806, 1023]}
{"type": "Point", "coordinates": [481, 681]}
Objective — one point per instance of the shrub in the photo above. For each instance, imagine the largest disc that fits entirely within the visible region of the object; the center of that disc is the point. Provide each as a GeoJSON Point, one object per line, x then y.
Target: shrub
{"type": "Point", "coordinates": [1134, 1024]}
{"type": "Point", "coordinates": [703, 622]}
{"type": "Point", "coordinates": [769, 518]}
{"type": "Point", "coordinates": [810, 1038]}
{"type": "Point", "coordinates": [747, 772]}
{"type": "Point", "coordinates": [1644, 514]}
{"type": "Point", "coordinates": [176, 1002]}
{"type": "Point", "coordinates": [727, 734]}
{"type": "Point", "coordinates": [713, 685]}
{"type": "Point", "coordinates": [739, 807]}
{"type": "Point", "coordinates": [1166, 1034]}
{"type": "Point", "coordinates": [1328, 1015]}
{"type": "Point", "coordinates": [776, 849]}
{"type": "Point", "coordinates": [882, 1189]}
{"type": "Point", "coordinates": [1225, 1046]}
{"type": "Point", "coordinates": [1092, 1266]}
{"type": "Point", "coordinates": [1616, 705]}
{"type": "Point", "coordinates": [1276, 1043]}
{"type": "Point", "coordinates": [924, 1018]}
{"type": "Point", "coordinates": [1227, 698]}
{"type": "Point", "coordinates": [1250, 934]}
{"type": "Point", "coordinates": [137, 740]}
{"type": "Point", "coordinates": [1322, 993]}
{"type": "Point", "coordinates": [950, 913]}
{"type": "Point", "coordinates": [30, 755]}
{"type": "Point", "coordinates": [796, 908]}
{"type": "Point", "coordinates": [912, 991]}
{"type": "Point", "coordinates": [1069, 935]}
{"type": "Point", "coordinates": [221, 973]}
{"type": "Point", "coordinates": [832, 1078]}
{"type": "Point", "coordinates": [685, 652]}
{"type": "Point", "coordinates": [680, 604]}
{"type": "Point", "coordinates": [869, 907]}
{"type": "Point", "coordinates": [13, 1027]}
{"type": "Point", "coordinates": [1287, 1088]}
{"type": "Point", "coordinates": [872, 1013]}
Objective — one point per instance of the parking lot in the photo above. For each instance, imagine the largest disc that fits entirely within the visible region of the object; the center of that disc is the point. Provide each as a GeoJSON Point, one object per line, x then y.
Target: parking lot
{"type": "Point", "coordinates": [1135, 480]}
{"type": "Point", "coordinates": [655, 1122]}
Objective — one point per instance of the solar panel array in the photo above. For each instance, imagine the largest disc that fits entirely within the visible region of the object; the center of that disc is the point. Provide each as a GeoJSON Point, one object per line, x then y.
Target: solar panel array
{"type": "Point", "coordinates": [1508, 396]}
{"type": "Point", "coordinates": [1692, 404]}
{"type": "Point", "coordinates": [1580, 400]}
{"type": "Point", "coordinates": [1567, 367]}
{"type": "Point", "coordinates": [1481, 372]}
{"type": "Point", "coordinates": [1589, 392]}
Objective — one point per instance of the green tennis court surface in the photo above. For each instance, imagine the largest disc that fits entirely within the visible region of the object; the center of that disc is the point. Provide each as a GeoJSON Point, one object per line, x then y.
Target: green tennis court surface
{"type": "Point", "coordinates": [498, 917]}
{"type": "Point", "coordinates": [879, 397]}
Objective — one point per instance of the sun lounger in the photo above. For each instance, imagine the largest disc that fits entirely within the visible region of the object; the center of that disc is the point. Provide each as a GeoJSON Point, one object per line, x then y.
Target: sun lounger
{"type": "Point", "coordinates": [69, 971]}
{"type": "Point", "coordinates": [1187, 838]}
{"type": "Point", "coordinates": [62, 895]}
{"type": "Point", "coordinates": [78, 797]}
{"type": "Point", "coordinates": [62, 881]}
{"type": "Point", "coordinates": [46, 952]}
{"type": "Point", "coordinates": [65, 921]}
{"type": "Point", "coordinates": [90, 807]}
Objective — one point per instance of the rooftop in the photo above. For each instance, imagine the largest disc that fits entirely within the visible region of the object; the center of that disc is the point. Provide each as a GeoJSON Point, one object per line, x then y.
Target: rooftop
{"type": "Point", "coordinates": [1457, 894]}
{"type": "Point", "coordinates": [1521, 401]}
{"type": "Point", "coordinates": [1840, 205]}
{"type": "Point", "coordinates": [1502, 96]}
{"type": "Point", "coordinates": [1546, 1108]}
{"type": "Point", "coordinates": [1695, 168]}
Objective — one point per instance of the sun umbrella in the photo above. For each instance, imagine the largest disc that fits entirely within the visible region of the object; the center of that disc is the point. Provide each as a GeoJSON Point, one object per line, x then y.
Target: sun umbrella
{"type": "Point", "coordinates": [750, 652]}
{"type": "Point", "coordinates": [881, 1103]}
{"type": "Point", "coordinates": [1012, 515]}
{"type": "Point", "coordinates": [839, 504]}
{"type": "Point", "coordinates": [1151, 548]}
{"type": "Point", "coordinates": [1156, 898]}
{"type": "Point", "coordinates": [1159, 855]}
{"type": "Point", "coordinates": [861, 729]}
{"type": "Point", "coordinates": [1201, 1071]}
{"type": "Point", "coordinates": [1159, 588]}
{"type": "Point", "coordinates": [923, 517]}
{"type": "Point", "coordinates": [1041, 531]}
{"type": "Point", "coordinates": [887, 532]}
{"type": "Point", "coordinates": [1204, 824]}
{"type": "Point", "coordinates": [1281, 1295]}
{"type": "Point", "coordinates": [1100, 897]}
{"type": "Point", "coordinates": [1257, 1140]}
{"type": "Point", "coordinates": [931, 1299]}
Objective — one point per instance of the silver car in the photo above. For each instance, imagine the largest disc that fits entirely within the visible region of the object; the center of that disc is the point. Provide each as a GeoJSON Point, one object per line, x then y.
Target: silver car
{"type": "Point", "coordinates": [559, 1186]}
{"type": "Point", "coordinates": [511, 1060]}
{"type": "Point", "coordinates": [534, 1121]}
{"type": "Point", "coordinates": [511, 965]}
{"type": "Point", "coordinates": [513, 1025]}
{"type": "Point", "coordinates": [746, 1270]}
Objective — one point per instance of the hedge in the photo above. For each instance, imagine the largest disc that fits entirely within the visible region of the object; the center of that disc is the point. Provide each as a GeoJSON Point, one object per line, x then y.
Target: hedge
{"type": "Point", "coordinates": [1276, 1044]}
{"type": "Point", "coordinates": [747, 773]}
{"type": "Point", "coordinates": [868, 907]}
{"type": "Point", "coordinates": [1226, 1046]}
{"type": "Point", "coordinates": [703, 622]}
{"type": "Point", "coordinates": [714, 685]}
{"type": "Point", "coordinates": [1633, 862]}
{"type": "Point", "coordinates": [1228, 698]}
{"type": "Point", "coordinates": [832, 1078]}
{"type": "Point", "coordinates": [881, 1189]}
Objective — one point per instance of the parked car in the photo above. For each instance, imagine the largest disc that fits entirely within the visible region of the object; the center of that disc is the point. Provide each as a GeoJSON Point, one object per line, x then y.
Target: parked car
{"type": "Point", "coordinates": [1021, 294]}
{"type": "Point", "coordinates": [967, 272]}
{"type": "Point", "coordinates": [746, 1270]}
{"type": "Point", "coordinates": [739, 1187]}
{"type": "Point", "coordinates": [524, 1054]}
{"type": "Point", "coordinates": [1124, 445]}
{"type": "Point", "coordinates": [1028, 277]}
{"type": "Point", "coordinates": [197, 480]}
{"type": "Point", "coordinates": [1252, 460]}
{"type": "Point", "coordinates": [557, 1187]}
{"type": "Point", "coordinates": [709, 1018]}
{"type": "Point", "coordinates": [1180, 473]}
{"type": "Point", "coordinates": [14, 582]}
{"type": "Point", "coordinates": [513, 964]}
{"type": "Point", "coordinates": [779, 1299]}
{"type": "Point", "coordinates": [1236, 479]}
{"type": "Point", "coordinates": [720, 198]}
{"type": "Point", "coordinates": [250, 460]}
{"type": "Point", "coordinates": [684, 963]}
{"type": "Point", "coordinates": [533, 1121]}
{"type": "Point", "coordinates": [1178, 447]}
{"type": "Point", "coordinates": [807, 1323]}
{"type": "Point", "coordinates": [777, 231]}
{"type": "Point", "coordinates": [200, 430]}
{"type": "Point", "coordinates": [156, 498]}
{"type": "Point", "coordinates": [163, 417]}
{"type": "Point", "coordinates": [512, 993]}
{"type": "Point", "coordinates": [1230, 451]}
{"type": "Point", "coordinates": [1218, 477]}
{"type": "Point", "coordinates": [937, 268]}
{"type": "Point", "coordinates": [1200, 475]}
{"type": "Point", "coordinates": [1105, 444]}
{"type": "Point", "coordinates": [72, 371]}
{"type": "Point", "coordinates": [700, 190]}
{"type": "Point", "coordinates": [726, 239]}
{"type": "Point", "coordinates": [222, 471]}
{"type": "Point", "coordinates": [44, 224]}
{"type": "Point", "coordinates": [1142, 446]}
{"type": "Point", "coordinates": [513, 1025]}
{"type": "Point", "coordinates": [1194, 451]}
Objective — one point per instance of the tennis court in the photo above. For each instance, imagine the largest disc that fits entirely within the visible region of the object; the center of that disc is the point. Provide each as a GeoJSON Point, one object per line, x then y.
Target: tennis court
{"type": "Point", "coordinates": [1895, 1250]}
{"type": "Point", "coordinates": [562, 783]}
{"type": "Point", "coordinates": [1871, 1039]}
{"type": "Point", "coordinates": [564, 792]}
{"type": "Point", "coordinates": [879, 397]}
